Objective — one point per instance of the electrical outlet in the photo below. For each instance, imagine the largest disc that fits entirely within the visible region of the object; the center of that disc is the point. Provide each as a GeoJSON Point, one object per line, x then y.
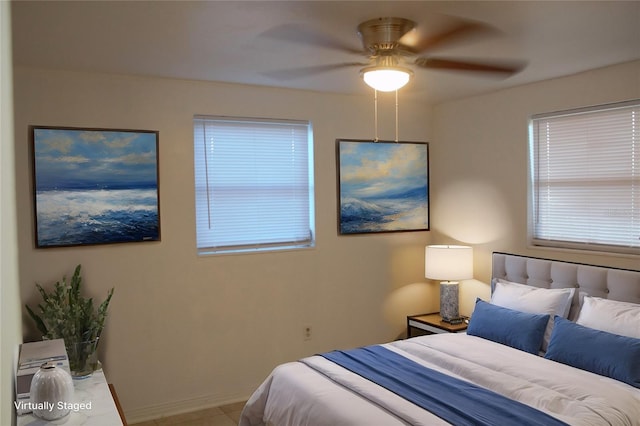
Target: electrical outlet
{"type": "Point", "coordinates": [306, 330]}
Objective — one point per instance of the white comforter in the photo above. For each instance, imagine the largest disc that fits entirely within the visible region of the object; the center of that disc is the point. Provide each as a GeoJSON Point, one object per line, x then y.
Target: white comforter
{"type": "Point", "coordinates": [295, 394]}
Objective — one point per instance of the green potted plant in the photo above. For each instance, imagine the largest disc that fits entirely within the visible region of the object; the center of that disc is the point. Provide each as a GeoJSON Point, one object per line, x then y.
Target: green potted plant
{"type": "Point", "coordinates": [65, 314]}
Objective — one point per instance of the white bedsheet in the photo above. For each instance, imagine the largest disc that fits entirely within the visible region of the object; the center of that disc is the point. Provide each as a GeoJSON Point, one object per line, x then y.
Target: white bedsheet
{"type": "Point", "coordinates": [297, 395]}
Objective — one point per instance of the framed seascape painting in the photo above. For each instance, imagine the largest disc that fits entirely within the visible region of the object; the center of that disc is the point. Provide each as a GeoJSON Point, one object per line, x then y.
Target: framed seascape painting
{"type": "Point", "coordinates": [94, 186]}
{"type": "Point", "coordinates": [382, 186]}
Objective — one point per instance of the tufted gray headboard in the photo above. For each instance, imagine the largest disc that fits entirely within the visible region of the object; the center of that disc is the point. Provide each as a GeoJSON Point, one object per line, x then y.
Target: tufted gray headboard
{"type": "Point", "coordinates": [596, 281]}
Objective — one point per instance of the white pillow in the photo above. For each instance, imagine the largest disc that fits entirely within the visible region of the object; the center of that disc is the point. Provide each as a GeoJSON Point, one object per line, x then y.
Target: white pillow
{"type": "Point", "coordinates": [534, 300]}
{"type": "Point", "coordinates": [559, 299]}
{"type": "Point", "coordinates": [615, 317]}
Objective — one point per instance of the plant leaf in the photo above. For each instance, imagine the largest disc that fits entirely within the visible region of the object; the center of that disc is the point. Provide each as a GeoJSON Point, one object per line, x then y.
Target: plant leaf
{"type": "Point", "coordinates": [39, 323]}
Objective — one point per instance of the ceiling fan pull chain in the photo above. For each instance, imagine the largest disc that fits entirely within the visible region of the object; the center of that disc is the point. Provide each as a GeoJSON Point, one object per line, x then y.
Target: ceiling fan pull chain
{"type": "Point", "coordinates": [396, 115]}
{"type": "Point", "coordinates": [375, 112]}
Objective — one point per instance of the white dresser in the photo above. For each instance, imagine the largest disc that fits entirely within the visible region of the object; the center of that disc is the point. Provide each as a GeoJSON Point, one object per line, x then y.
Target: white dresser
{"type": "Point", "coordinates": [95, 406]}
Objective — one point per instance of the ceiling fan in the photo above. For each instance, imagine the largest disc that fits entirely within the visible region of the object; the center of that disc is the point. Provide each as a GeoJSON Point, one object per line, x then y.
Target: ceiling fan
{"type": "Point", "coordinates": [391, 44]}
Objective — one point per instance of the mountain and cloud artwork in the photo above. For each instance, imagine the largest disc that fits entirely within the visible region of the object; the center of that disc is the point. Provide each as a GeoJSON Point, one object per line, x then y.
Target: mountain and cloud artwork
{"type": "Point", "coordinates": [383, 186]}
{"type": "Point", "coordinates": [95, 186]}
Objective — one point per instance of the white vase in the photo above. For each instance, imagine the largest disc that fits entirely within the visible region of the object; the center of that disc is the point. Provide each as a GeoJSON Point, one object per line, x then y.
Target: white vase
{"type": "Point", "coordinates": [51, 392]}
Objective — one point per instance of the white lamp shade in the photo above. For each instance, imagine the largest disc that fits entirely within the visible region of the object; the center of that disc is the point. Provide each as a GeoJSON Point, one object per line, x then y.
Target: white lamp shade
{"type": "Point", "coordinates": [448, 263]}
{"type": "Point", "coordinates": [386, 79]}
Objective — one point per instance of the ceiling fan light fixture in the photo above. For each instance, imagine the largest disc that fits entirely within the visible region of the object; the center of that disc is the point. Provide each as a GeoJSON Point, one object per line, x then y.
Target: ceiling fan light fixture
{"type": "Point", "coordinates": [386, 79]}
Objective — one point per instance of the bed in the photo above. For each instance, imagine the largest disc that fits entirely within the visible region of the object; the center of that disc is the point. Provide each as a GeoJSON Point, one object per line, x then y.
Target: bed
{"type": "Point", "coordinates": [558, 343]}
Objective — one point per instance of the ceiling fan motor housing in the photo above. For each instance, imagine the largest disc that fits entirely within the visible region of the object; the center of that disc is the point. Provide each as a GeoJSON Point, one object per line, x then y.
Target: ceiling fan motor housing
{"type": "Point", "coordinates": [382, 34]}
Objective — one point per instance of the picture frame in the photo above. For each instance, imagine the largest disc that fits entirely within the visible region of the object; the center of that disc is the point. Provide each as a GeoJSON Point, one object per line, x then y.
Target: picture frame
{"type": "Point", "coordinates": [94, 186]}
{"type": "Point", "coordinates": [383, 186]}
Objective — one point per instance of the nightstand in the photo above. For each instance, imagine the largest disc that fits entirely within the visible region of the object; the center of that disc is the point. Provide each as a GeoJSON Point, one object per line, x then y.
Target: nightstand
{"type": "Point", "coordinates": [431, 324]}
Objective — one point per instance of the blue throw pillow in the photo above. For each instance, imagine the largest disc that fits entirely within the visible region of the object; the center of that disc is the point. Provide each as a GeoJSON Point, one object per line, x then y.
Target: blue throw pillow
{"type": "Point", "coordinates": [599, 352]}
{"type": "Point", "coordinates": [517, 329]}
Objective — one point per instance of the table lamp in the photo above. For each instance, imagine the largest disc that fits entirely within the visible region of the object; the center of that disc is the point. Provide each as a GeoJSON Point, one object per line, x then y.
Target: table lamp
{"type": "Point", "coordinates": [448, 263]}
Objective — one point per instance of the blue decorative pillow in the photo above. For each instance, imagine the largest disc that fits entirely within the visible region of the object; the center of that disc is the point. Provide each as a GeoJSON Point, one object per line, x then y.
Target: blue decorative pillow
{"type": "Point", "coordinates": [517, 329]}
{"type": "Point", "coordinates": [599, 352]}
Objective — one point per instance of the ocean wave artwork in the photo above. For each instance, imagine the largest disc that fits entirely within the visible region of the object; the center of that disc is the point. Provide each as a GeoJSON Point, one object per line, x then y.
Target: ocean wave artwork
{"type": "Point", "coordinates": [95, 186]}
{"type": "Point", "coordinates": [384, 186]}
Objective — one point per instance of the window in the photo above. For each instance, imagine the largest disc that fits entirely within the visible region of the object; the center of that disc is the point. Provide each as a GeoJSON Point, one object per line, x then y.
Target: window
{"type": "Point", "coordinates": [254, 184]}
{"type": "Point", "coordinates": [585, 169]}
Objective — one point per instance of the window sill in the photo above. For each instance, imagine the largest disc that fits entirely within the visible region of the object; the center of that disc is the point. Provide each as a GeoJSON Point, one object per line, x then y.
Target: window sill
{"type": "Point", "coordinates": [584, 251]}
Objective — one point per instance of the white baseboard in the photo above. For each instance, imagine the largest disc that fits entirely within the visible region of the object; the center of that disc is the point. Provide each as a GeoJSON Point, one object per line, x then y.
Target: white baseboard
{"type": "Point", "coordinates": [153, 412]}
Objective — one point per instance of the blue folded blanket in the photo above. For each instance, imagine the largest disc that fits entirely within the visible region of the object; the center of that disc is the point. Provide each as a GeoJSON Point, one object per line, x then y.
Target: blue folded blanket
{"type": "Point", "coordinates": [453, 400]}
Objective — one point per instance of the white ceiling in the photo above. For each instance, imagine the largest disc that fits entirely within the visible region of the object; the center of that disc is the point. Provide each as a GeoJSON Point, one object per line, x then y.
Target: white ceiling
{"type": "Point", "coordinates": [230, 41]}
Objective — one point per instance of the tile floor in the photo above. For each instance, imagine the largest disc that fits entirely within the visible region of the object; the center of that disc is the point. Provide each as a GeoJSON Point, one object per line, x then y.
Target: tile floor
{"type": "Point", "coordinates": [226, 415]}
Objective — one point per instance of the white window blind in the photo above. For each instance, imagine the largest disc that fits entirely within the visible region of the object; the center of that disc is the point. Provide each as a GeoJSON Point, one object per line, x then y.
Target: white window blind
{"type": "Point", "coordinates": [254, 184]}
{"type": "Point", "coordinates": [586, 178]}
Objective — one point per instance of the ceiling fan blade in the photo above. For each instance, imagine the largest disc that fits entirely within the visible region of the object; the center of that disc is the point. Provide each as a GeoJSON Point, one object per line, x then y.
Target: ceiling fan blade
{"type": "Point", "coordinates": [294, 73]}
{"type": "Point", "coordinates": [495, 67]}
{"type": "Point", "coordinates": [299, 34]}
{"type": "Point", "coordinates": [416, 43]}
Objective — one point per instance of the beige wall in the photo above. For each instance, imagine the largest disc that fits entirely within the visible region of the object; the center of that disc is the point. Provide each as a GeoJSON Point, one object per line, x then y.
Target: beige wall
{"type": "Point", "coordinates": [479, 167]}
{"type": "Point", "coordinates": [10, 325]}
{"type": "Point", "coordinates": [187, 331]}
